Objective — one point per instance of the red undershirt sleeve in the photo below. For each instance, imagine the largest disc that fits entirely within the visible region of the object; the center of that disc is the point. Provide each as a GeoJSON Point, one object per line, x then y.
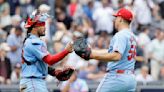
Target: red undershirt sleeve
{"type": "Point", "coordinates": [52, 59]}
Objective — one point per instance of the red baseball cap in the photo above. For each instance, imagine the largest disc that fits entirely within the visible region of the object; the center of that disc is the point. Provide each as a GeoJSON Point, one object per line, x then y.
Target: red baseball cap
{"type": "Point", "coordinates": [125, 14]}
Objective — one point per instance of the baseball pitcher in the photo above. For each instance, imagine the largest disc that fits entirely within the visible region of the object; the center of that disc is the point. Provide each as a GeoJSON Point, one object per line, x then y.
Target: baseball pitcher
{"type": "Point", "coordinates": [120, 56]}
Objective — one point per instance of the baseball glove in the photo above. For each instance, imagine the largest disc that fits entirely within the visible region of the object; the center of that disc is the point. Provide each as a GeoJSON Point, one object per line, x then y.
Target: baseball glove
{"type": "Point", "coordinates": [63, 74]}
{"type": "Point", "coordinates": [81, 48]}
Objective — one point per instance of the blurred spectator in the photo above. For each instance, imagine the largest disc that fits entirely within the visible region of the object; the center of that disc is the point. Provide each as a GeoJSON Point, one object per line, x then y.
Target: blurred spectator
{"type": "Point", "coordinates": [3, 35]}
{"type": "Point", "coordinates": [51, 27]}
{"type": "Point", "coordinates": [103, 18]}
{"type": "Point", "coordinates": [60, 4]}
{"type": "Point", "coordinates": [74, 84]}
{"type": "Point", "coordinates": [143, 42]}
{"type": "Point", "coordinates": [83, 2]}
{"type": "Point", "coordinates": [73, 59]}
{"type": "Point", "coordinates": [73, 7]}
{"type": "Point", "coordinates": [37, 3]}
{"type": "Point", "coordinates": [62, 34]}
{"type": "Point", "coordinates": [26, 7]}
{"type": "Point", "coordinates": [5, 64]}
{"type": "Point", "coordinates": [143, 38]}
{"type": "Point", "coordinates": [15, 75]}
{"type": "Point", "coordinates": [102, 42]}
{"type": "Point", "coordinates": [121, 3]}
{"type": "Point", "coordinates": [88, 31]}
{"type": "Point", "coordinates": [102, 67]}
{"type": "Point", "coordinates": [14, 4]}
{"type": "Point", "coordinates": [63, 17]}
{"type": "Point", "coordinates": [75, 10]}
{"type": "Point", "coordinates": [144, 75]}
{"type": "Point", "coordinates": [5, 18]}
{"type": "Point", "coordinates": [156, 53]}
{"type": "Point", "coordinates": [48, 36]}
{"type": "Point", "coordinates": [161, 5]}
{"type": "Point", "coordinates": [90, 73]}
{"type": "Point", "coordinates": [142, 10]}
{"type": "Point", "coordinates": [18, 11]}
{"type": "Point", "coordinates": [58, 46]}
{"type": "Point", "coordinates": [88, 9]}
{"type": "Point", "coordinates": [140, 54]}
{"type": "Point", "coordinates": [16, 20]}
{"type": "Point", "coordinates": [15, 41]}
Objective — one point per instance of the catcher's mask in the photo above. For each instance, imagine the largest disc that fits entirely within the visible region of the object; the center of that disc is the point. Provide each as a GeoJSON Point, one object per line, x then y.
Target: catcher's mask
{"type": "Point", "coordinates": [36, 19]}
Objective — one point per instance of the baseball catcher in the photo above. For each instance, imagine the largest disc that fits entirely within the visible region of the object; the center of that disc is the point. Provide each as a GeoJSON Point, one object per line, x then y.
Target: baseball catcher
{"type": "Point", "coordinates": [36, 58]}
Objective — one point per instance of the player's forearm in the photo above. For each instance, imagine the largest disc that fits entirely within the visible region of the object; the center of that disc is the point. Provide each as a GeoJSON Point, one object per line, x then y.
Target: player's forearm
{"type": "Point", "coordinates": [52, 59]}
{"type": "Point", "coordinates": [101, 51]}
{"type": "Point", "coordinates": [105, 56]}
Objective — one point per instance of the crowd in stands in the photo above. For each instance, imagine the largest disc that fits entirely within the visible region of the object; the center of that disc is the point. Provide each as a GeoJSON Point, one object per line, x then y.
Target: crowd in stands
{"type": "Point", "coordinates": [92, 19]}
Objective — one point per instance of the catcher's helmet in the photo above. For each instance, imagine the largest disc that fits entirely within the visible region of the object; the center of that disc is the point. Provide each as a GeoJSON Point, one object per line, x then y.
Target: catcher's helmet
{"type": "Point", "coordinates": [36, 19]}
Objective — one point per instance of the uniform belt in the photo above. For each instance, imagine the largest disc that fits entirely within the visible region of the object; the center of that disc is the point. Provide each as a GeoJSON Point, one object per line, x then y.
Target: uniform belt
{"type": "Point", "coordinates": [122, 71]}
{"type": "Point", "coordinates": [33, 77]}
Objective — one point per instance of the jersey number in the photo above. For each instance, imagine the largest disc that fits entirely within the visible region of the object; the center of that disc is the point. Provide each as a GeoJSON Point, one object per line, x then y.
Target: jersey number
{"type": "Point", "coordinates": [132, 52]}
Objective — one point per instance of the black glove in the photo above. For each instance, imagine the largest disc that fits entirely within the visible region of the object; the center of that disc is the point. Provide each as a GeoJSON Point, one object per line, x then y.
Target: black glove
{"type": "Point", "coordinates": [81, 48]}
{"type": "Point", "coordinates": [61, 74]}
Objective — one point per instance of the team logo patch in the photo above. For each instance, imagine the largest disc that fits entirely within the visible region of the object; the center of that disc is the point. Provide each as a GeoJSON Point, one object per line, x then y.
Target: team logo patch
{"type": "Point", "coordinates": [44, 49]}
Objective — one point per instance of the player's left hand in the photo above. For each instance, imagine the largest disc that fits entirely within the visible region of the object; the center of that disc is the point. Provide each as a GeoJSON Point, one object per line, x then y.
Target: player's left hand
{"type": "Point", "coordinates": [82, 48]}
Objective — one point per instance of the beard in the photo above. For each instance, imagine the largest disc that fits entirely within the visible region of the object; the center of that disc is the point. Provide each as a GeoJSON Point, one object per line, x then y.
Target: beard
{"type": "Point", "coordinates": [41, 33]}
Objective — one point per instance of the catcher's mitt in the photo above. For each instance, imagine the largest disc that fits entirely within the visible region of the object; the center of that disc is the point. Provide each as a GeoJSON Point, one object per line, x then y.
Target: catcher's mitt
{"type": "Point", "coordinates": [81, 48]}
{"type": "Point", "coordinates": [63, 74]}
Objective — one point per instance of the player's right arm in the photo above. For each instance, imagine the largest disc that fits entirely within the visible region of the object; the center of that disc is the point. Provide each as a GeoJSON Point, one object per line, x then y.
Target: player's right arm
{"type": "Point", "coordinates": [52, 59]}
{"type": "Point", "coordinates": [114, 56]}
{"type": "Point", "coordinates": [40, 51]}
{"type": "Point", "coordinates": [117, 50]}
